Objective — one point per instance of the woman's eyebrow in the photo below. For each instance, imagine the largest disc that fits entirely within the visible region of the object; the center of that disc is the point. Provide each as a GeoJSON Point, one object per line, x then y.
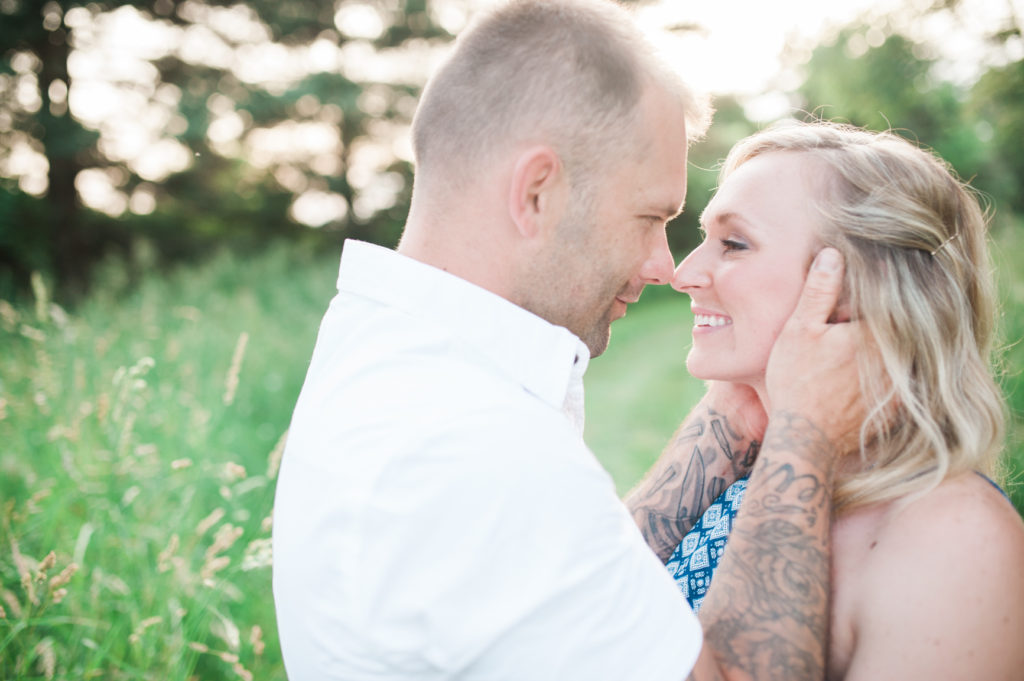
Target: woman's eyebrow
{"type": "Point", "coordinates": [728, 218]}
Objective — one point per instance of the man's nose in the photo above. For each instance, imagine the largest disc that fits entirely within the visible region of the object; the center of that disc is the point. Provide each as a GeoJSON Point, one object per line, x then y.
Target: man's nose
{"type": "Point", "coordinates": [660, 264]}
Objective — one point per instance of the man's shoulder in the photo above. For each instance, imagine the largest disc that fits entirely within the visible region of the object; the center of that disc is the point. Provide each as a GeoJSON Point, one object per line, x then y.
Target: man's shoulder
{"type": "Point", "coordinates": [409, 368]}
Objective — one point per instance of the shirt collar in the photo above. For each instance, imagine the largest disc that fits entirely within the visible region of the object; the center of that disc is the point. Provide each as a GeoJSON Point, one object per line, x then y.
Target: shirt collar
{"type": "Point", "coordinates": [547, 360]}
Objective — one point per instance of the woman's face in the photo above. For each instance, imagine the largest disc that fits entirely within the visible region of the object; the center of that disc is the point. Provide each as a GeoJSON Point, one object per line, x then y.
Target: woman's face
{"type": "Point", "coordinates": [744, 279]}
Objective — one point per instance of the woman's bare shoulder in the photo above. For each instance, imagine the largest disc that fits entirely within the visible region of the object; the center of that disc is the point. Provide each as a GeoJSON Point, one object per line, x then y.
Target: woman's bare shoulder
{"type": "Point", "coordinates": [967, 510]}
{"type": "Point", "coordinates": [940, 595]}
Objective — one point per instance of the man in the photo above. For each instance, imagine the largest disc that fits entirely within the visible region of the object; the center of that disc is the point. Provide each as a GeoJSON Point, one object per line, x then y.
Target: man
{"type": "Point", "coordinates": [438, 515]}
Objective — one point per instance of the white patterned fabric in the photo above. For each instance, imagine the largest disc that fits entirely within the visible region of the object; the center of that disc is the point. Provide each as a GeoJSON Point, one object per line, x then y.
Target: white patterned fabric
{"type": "Point", "coordinates": [694, 561]}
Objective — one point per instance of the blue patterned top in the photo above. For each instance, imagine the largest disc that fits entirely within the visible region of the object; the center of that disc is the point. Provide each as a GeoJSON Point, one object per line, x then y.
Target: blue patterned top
{"type": "Point", "coordinates": [694, 561]}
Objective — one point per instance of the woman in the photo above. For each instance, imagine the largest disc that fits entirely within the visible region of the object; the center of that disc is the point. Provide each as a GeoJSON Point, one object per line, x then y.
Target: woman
{"type": "Point", "coordinates": [928, 554]}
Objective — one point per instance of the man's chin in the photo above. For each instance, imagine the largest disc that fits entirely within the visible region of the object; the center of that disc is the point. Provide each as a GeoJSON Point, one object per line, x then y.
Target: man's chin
{"type": "Point", "coordinates": [597, 341]}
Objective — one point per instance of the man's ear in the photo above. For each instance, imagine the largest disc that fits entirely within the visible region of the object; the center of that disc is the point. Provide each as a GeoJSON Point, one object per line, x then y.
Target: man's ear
{"type": "Point", "coordinates": [538, 192]}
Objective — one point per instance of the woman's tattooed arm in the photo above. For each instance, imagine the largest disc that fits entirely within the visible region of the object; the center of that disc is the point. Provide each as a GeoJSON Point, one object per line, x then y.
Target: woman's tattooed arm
{"type": "Point", "coordinates": [716, 444]}
{"type": "Point", "coordinates": [767, 613]}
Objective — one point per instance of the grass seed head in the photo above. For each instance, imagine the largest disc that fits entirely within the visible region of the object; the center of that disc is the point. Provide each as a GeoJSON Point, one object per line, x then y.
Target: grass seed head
{"type": "Point", "coordinates": [234, 471]}
{"type": "Point", "coordinates": [32, 333]}
{"type": "Point", "coordinates": [46, 658]}
{"type": "Point", "coordinates": [227, 534]}
{"type": "Point", "coordinates": [274, 460]}
{"type": "Point", "coordinates": [163, 560]}
{"type": "Point", "coordinates": [42, 296]}
{"type": "Point", "coordinates": [209, 521]}
{"type": "Point", "coordinates": [8, 316]}
{"type": "Point", "coordinates": [12, 602]}
{"type": "Point", "coordinates": [231, 382]}
{"type": "Point", "coordinates": [256, 639]}
{"type": "Point", "coordinates": [211, 567]}
{"type": "Point", "coordinates": [64, 577]}
{"type": "Point", "coordinates": [136, 635]}
{"type": "Point", "coordinates": [48, 562]}
{"type": "Point", "coordinates": [258, 554]}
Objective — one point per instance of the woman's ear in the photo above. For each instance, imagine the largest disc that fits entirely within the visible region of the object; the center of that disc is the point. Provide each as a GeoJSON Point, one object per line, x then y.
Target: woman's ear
{"type": "Point", "coordinates": [538, 192]}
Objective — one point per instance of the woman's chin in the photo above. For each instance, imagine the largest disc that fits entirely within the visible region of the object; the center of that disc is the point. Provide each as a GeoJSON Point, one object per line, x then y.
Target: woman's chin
{"type": "Point", "coordinates": [696, 370]}
{"type": "Point", "coordinates": [707, 371]}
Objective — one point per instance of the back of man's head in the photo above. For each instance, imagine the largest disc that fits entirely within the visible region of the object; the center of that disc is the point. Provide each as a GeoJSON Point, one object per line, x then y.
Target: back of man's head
{"type": "Point", "coordinates": [566, 73]}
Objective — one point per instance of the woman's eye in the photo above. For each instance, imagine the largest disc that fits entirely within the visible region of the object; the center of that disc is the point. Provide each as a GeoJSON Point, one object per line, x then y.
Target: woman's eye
{"type": "Point", "coordinates": [732, 245]}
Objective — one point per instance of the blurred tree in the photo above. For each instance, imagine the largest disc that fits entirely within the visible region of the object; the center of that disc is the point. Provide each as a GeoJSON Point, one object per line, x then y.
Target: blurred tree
{"type": "Point", "coordinates": [891, 86]}
{"type": "Point", "coordinates": [997, 105]}
{"type": "Point", "coordinates": [730, 124]}
{"type": "Point", "coordinates": [881, 74]}
{"type": "Point", "coordinates": [236, 122]}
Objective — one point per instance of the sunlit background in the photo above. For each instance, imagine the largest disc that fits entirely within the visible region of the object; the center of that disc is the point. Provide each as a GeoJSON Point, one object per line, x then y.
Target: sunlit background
{"type": "Point", "coordinates": [176, 181]}
{"type": "Point", "coordinates": [753, 50]}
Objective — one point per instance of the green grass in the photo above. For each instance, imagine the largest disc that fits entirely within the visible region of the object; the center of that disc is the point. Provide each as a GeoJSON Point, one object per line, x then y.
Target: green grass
{"type": "Point", "coordinates": [638, 390]}
{"type": "Point", "coordinates": [125, 450]}
{"type": "Point", "coordinates": [1008, 252]}
{"type": "Point", "coordinates": [125, 453]}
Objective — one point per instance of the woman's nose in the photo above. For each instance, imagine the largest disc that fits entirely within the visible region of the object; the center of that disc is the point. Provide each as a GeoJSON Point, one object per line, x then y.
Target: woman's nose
{"type": "Point", "coordinates": [692, 272]}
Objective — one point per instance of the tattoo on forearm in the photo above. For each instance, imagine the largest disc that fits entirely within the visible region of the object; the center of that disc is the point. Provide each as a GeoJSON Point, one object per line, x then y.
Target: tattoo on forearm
{"type": "Point", "coordinates": [767, 612]}
{"type": "Point", "coordinates": [727, 439]}
{"type": "Point", "coordinates": [668, 504]}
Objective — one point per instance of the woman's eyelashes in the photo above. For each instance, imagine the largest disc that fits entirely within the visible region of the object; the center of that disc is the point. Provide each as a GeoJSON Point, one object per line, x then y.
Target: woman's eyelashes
{"type": "Point", "coordinates": [729, 244]}
{"type": "Point", "coordinates": [732, 245]}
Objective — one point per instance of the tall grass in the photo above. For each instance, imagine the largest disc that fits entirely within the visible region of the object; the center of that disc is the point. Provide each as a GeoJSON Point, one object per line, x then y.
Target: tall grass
{"type": "Point", "coordinates": [1008, 256]}
{"type": "Point", "coordinates": [139, 441]}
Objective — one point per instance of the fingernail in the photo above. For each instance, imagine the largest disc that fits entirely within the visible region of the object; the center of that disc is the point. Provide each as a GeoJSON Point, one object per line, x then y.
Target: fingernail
{"type": "Point", "coordinates": [827, 260]}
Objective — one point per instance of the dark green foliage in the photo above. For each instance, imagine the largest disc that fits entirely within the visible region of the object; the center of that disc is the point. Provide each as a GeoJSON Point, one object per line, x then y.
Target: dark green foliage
{"type": "Point", "coordinates": [730, 124]}
{"type": "Point", "coordinates": [979, 131]}
{"type": "Point", "coordinates": [217, 199]}
{"type": "Point", "coordinates": [997, 106]}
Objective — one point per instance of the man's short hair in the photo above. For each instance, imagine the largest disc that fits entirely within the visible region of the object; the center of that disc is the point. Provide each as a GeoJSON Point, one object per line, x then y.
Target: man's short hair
{"type": "Point", "coordinates": [568, 73]}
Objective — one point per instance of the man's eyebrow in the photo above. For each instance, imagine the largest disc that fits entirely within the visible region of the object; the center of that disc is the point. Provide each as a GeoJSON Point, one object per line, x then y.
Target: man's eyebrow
{"type": "Point", "coordinates": [668, 212]}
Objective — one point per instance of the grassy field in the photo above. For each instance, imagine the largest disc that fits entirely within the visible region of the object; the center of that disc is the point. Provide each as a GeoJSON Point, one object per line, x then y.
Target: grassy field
{"type": "Point", "coordinates": [139, 442]}
{"type": "Point", "coordinates": [140, 439]}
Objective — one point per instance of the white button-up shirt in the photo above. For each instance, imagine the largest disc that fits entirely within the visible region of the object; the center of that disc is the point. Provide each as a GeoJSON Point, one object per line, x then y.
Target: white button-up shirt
{"type": "Point", "coordinates": [438, 515]}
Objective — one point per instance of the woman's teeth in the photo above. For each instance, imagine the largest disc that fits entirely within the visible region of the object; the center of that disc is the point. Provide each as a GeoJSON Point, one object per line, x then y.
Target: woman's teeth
{"type": "Point", "coordinates": [711, 320]}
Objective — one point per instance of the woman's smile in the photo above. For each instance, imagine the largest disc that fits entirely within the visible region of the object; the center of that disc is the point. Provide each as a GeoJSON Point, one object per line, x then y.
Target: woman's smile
{"type": "Point", "coordinates": [745, 277]}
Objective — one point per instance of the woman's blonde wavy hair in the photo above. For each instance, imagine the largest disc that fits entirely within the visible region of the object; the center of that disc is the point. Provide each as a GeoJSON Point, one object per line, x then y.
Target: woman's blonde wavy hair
{"type": "Point", "coordinates": [919, 278]}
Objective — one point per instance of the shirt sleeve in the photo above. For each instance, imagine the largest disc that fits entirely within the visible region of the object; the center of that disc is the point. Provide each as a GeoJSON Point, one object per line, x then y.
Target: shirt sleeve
{"type": "Point", "coordinates": [504, 553]}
